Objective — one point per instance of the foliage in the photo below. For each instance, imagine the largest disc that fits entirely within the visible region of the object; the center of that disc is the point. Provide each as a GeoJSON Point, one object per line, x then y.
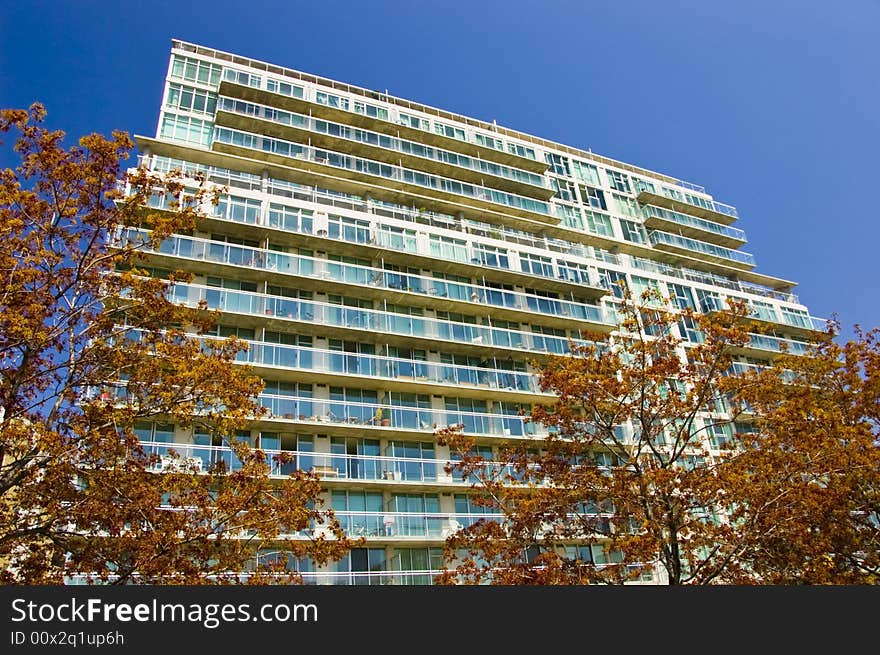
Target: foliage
{"type": "Point", "coordinates": [806, 484]}
{"type": "Point", "coordinates": [642, 465]}
{"type": "Point", "coordinates": [90, 344]}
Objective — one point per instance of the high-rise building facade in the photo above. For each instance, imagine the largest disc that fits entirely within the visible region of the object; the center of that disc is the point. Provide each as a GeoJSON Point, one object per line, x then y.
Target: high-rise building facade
{"type": "Point", "coordinates": [395, 268]}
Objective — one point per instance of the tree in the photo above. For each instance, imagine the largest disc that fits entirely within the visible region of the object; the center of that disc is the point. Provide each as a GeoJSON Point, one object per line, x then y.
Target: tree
{"type": "Point", "coordinates": [628, 476]}
{"type": "Point", "coordinates": [90, 345]}
{"type": "Point", "coordinates": [805, 486]}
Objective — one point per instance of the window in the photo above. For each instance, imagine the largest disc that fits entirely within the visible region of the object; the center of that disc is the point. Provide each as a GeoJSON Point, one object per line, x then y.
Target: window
{"type": "Point", "coordinates": [242, 77]}
{"type": "Point", "coordinates": [764, 311]}
{"type": "Point", "coordinates": [413, 121]}
{"type": "Point", "coordinates": [224, 331]}
{"type": "Point", "coordinates": [403, 278]}
{"type": "Point", "coordinates": [148, 431]}
{"type": "Point", "coordinates": [593, 197]}
{"type": "Point", "coordinates": [721, 435]}
{"type": "Point", "coordinates": [223, 283]}
{"type": "Point", "coordinates": [411, 410]}
{"type": "Point", "coordinates": [520, 150]}
{"type": "Point", "coordinates": [681, 296]}
{"type": "Point", "coordinates": [292, 219]}
{"type": "Point", "coordinates": [612, 281]}
{"type": "Point", "coordinates": [488, 141]}
{"type": "Point", "coordinates": [586, 172]}
{"type": "Point", "coordinates": [449, 131]}
{"type": "Point", "coordinates": [536, 264]}
{"type": "Point", "coordinates": [632, 231]}
{"type": "Point", "coordinates": [195, 70]}
{"type": "Point", "coordinates": [331, 100]}
{"type": "Point", "coordinates": [370, 110]}
{"type": "Point", "coordinates": [642, 185]}
{"type": "Point", "coordinates": [558, 164]}
{"type": "Point", "coordinates": [449, 248]}
{"type": "Point", "coordinates": [551, 340]}
{"type": "Point", "coordinates": [358, 511]}
{"type": "Point", "coordinates": [284, 88]}
{"type": "Point", "coordinates": [469, 412]}
{"type": "Point", "coordinates": [575, 272]}
{"type": "Point", "coordinates": [238, 209]}
{"type": "Point", "coordinates": [795, 316]}
{"type": "Point", "coordinates": [410, 467]}
{"type": "Point", "coordinates": [416, 559]}
{"type": "Point", "coordinates": [397, 238]}
{"type": "Point", "coordinates": [491, 256]}
{"type": "Point", "coordinates": [599, 224]}
{"type": "Point", "coordinates": [189, 98]}
{"type": "Point", "coordinates": [626, 206]}
{"type": "Point", "coordinates": [422, 524]}
{"type": "Point", "coordinates": [641, 285]}
{"type": "Point", "coordinates": [571, 216]}
{"type": "Point", "coordinates": [288, 400]}
{"type": "Point", "coordinates": [186, 129]}
{"type": "Point", "coordinates": [709, 301]}
{"type": "Point", "coordinates": [618, 181]}
{"type": "Point", "coordinates": [565, 189]}
{"type": "Point", "coordinates": [348, 229]}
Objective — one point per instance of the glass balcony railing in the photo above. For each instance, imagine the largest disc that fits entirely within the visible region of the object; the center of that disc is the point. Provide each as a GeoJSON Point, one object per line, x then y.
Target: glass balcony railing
{"type": "Point", "coordinates": [384, 141]}
{"type": "Point", "coordinates": [370, 167]}
{"type": "Point", "coordinates": [649, 211]}
{"type": "Point", "coordinates": [778, 344]}
{"type": "Point", "coordinates": [410, 215]}
{"type": "Point", "coordinates": [742, 368]}
{"type": "Point", "coordinates": [303, 358]}
{"type": "Point", "coordinates": [387, 368]}
{"type": "Point", "coordinates": [388, 113]}
{"type": "Point", "coordinates": [339, 412]}
{"type": "Point", "coordinates": [337, 466]}
{"type": "Point", "coordinates": [366, 320]}
{"type": "Point", "coordinates": [366, 276]}
{"type": "Point", "coordinates": [657, 237]}
{"type": "Point", "coordinates": [426, 525]}
{"type": "Point", "coordinates": [699, 201]}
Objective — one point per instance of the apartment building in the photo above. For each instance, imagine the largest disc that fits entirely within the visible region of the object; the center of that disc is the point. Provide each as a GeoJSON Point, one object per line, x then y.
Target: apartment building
{"type": "Point", "coordinates": [396, 266]}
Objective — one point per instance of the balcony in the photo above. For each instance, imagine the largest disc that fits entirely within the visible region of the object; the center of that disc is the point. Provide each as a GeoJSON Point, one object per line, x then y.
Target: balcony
{"type": "Point", "coordinates": [700, 249]}
{"type": "Point", "coordinates": [342, 418]}
{"type": "Point", "coordinates": [684, 268]}
{"type": "Point", "coordinates": [340, 110]}
{"type": "Point", "coordinates": [691, 226]}
{"type": "Point", "coordinates": [380, 284]}
{"type": "Point", "coordinates": [711, 210]}
{"type": "Point", "coordinates": [378, 176]}
{"type": "Point", "coordinates": [382, 471]}
{"type": "Point", "coordinates": [330, 320]}
{"type": "Point", "coordinates": [316, 365]}
{"type": "Point", "coordinates": [390, 149]}
{"type": "Point", "coordinates": [796, 323]}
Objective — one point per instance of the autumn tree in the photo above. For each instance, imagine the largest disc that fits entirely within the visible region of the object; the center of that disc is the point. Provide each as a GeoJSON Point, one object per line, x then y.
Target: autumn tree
{"type": "Point", "coordinates": [805, 485]}
{"type": "Point", "coordinates": [627, 476]}
{"type": "Point", "coordinates": [90, 344]}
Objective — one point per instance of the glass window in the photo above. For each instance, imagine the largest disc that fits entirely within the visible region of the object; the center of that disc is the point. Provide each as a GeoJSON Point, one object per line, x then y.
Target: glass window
{"type": "Point", "coordinates": [632, 231]}
{"type": "Point", "coordinates": [618, 181]}
{"type": "Point", "coordinates": [536, 264]}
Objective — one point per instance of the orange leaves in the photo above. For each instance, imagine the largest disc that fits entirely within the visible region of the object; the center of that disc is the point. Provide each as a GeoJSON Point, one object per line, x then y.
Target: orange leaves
{"type": "Point", "coordinates": [90, 348]}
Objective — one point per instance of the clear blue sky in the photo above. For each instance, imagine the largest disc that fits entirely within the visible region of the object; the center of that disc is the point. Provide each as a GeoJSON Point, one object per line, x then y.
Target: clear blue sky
{"type": "Point", "coordinates": [770, 104]}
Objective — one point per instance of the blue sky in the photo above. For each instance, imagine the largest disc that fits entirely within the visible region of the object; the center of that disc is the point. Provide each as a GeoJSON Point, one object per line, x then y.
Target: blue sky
{"type": "Point", "coordinates": [771, 105]}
